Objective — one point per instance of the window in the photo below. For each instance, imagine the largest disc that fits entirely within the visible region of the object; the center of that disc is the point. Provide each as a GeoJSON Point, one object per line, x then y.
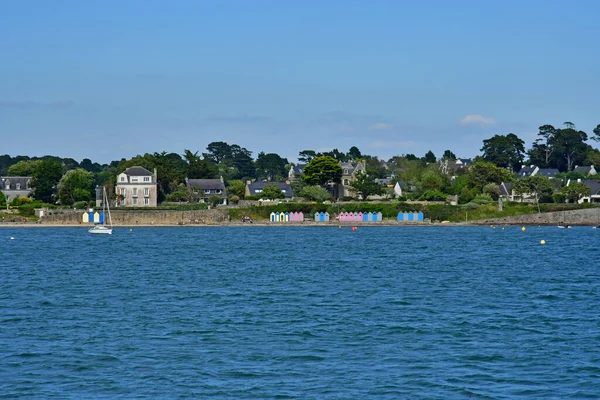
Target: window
{"type": "Point", "coordinates": [122, 179]}
{"type": "Point", "coordinates": [346, 182]}
{"type": "Point", "coordinates": [345, 172]}
{"type": "Point", "coordinates": [7, 186]}
{"type": "Point", "coordinates": [146, 179]}
{"type": "Point", "coordinates": [146, 201]}
{"type": "Point", "coordinates": [18, 186]}
{"type": "Point", "coordinates": [123, 202]}
{"type": "Point", "coordinates": [123, 192]}
{"type": "Point", "coordinates": [206, 191]}
{"type": "Point", "coordinates": [218, 191]}
{"type": "Point", "coordinates": [146, 192]}
{"type": "Point", "coordinates": [134, 200]}
{"type": "Point", "coordinates": [134, 179]}
{"type": "Point", "coordinates": [135, 192]}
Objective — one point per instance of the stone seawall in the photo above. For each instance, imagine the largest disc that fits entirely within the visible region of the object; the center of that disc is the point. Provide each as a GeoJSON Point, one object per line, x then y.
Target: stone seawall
{"type": "Point", "coordinates": [590, 216]}
{"type": "Point", "coordinates": [145, 217]}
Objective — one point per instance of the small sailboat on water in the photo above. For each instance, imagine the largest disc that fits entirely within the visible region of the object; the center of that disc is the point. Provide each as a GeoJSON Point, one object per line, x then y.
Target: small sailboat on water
{"type": "Point", "coordinates": [100, 224]}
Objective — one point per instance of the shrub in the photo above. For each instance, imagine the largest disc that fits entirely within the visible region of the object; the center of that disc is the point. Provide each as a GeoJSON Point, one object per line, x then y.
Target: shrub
{"type": "Point", "coordinates": [234, 199]}
{"type": "Point", "coordinates": [433, 195]}
{"type": "Point", "coordinates": [79, 205]}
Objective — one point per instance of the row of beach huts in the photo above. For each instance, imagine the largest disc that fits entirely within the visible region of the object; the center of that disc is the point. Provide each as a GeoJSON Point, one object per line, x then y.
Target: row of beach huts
{"type": "Point", "coordinates": [408, 216]}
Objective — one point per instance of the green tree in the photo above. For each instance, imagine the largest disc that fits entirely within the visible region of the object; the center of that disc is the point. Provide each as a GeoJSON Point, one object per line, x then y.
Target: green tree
{"type": "Point", "coordinates": [493, 190]}
{"type": "Point", "coordinates": [538, 186]}
{"type": "Point", "coordinates": [315, 193]}
{"type": "Point", "coordinates": [504, 151]}
{"type": "Point", "coordinates": [215, 200]}
{"type": "Point", "coordinates": [430, 157]}
{"type": "Point", "coordinates": [354, 153]}
{"type": "Point", "coordinates": [2, 200]}
{"type": "Point", "coordinates": [45, 177]}
{"type": "Point", "coordinates": [23, 168]}
{"type": "Point", "coordinates": [411, 157]}
{"type": "Point", "coordinates": [322, 170]}
{"type": "Point", "coordinates": [218, 152]}
{"type": "Point", "coordinates": [272, 192]}
{"type": "Point", "coordinates": [237, 187]}
{"type": "Point", "coordinates": [365, 186]}
{"type": "Point", "coordinates": [482, 172]}
{"type": "Point", "coordinates": [431, 180]}
{"type": "Point", "coordinates": [75, 185]}
{"type": "Point", "coordinates": [570, 144]}
{"type": "Point", "coordinates": [596, 133]}
{"type": "Point", "coordinates": [270, 166]}
{"type": "Point", "coordinates": [306, 155]}
{"type": "Point", "coordinates": [448, 155]}
{"type": "Point", "coordinates": [575, 191]}
{"type": "Point", "coordinates": [197, 167]}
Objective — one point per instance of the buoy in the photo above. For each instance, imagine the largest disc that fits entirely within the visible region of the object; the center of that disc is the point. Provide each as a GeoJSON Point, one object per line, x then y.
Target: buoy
{"type": "Point", "coordinates": [130, 230]}
{"type": "Point", "coordinates": [12, 238]}
{"type": "Point", "coordinates": [542, 241]}
{"type": "Point", "coordinates": [523, 229]}
{"type": "Point", "coordinates": [502, 228]}
{"type": "Point", "coordinates": [353, 228]}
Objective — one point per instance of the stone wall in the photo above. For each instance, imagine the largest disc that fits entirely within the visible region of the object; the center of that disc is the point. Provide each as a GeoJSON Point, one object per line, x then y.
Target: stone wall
{"type": "Point", "coordinates": [589, 216]}
{"type": "Point", "coordinates": [144, 217]}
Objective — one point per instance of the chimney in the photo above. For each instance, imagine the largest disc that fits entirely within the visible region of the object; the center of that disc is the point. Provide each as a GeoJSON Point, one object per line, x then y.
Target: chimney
{"type": "Point", "coordinates": [155, 176]}
{"type": "Point", "coordinates": [221, 178]}
{"type": "Point", "coordinates": [249, 181]}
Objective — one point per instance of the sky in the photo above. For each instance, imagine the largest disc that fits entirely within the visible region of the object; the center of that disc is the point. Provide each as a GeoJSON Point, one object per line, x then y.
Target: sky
{"type": "Point", "coordinates": [111, 79]}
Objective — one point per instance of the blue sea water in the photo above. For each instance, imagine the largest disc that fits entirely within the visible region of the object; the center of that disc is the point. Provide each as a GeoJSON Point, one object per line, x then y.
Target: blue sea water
{"type": "Point", "coordinates": [306, 312]}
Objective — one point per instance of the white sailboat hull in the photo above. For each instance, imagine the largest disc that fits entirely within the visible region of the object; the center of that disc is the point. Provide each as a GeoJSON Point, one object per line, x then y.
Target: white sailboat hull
{"type": "Point", "coordinates": [100, 230]}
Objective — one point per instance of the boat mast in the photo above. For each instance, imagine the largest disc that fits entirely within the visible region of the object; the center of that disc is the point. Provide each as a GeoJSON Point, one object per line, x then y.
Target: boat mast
{"type": "Point", "coordinates": [107, 207]}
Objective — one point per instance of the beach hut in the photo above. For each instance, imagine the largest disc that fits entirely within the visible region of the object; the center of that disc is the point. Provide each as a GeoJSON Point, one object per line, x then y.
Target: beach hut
{"type": "Point", "coordinates": [326, 216]}
{"type": "Point", "coordinates": [400, 216]}
{"type": "Point", "coordinates": [294, 216]}
{"type": "Point", "coordinates": [415, 216]}
{"type": "Point", "coordinates": [378, 217]}
{"type": "Point", "coordinates": [420, 216]}
{"type": "Point", "coordinates": [411, 216]}
{"type": "Point", "coordinates": [300, 216]}
{"type": "Point", "coordinates": [358, 216]}
{"type": "Point", "coordinates": [272, 217]}
{"type": "Point", "coordinates": [96, 217]}
{"type": "Point", "coordinates": [367, 217]}
{"type": "Point", "coordinates": [286, 217]}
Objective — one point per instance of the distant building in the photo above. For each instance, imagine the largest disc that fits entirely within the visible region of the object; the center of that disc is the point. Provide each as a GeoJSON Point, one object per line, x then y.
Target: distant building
{"type": "Point", "coordinates": [296, 171]}
{"type": "Point", "coordinates": [137, 187]}
{"type": "Point", "coordinates": [533, 170]}
{"type": "Point", "coordinates": [586, 170]}
{"type": "Point", "coordinates": [349, 173]}
{"type": "Point", "coordinates": [204, 189]}
{"type": "Point", "coordinates": [256, 188]}
{"type": "Point", "coordinates": [594, 186]}
{"type": "Point", "coordinates": [15, 186]}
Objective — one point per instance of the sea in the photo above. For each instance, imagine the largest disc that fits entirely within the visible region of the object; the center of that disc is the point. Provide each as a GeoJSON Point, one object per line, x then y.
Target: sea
{"type": "Point", "coordinates": [300, 313]}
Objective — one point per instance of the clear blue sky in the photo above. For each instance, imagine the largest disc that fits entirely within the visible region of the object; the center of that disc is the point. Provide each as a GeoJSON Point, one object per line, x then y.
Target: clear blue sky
{"type": "Point", "coordinates": [112, 79]}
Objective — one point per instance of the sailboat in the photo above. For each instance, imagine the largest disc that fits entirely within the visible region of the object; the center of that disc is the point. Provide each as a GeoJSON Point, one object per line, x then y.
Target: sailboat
{"type": "Point", "coordinates": [101, 227]}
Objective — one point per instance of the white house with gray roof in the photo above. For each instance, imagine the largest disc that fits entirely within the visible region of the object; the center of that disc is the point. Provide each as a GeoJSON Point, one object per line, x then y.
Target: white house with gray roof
{"type": "Point", "coordinates": [137, 187]}
{"type": "Point", "coordinates": [15, 186]}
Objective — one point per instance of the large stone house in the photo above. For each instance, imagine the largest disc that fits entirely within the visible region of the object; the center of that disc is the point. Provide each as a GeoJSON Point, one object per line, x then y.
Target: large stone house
{"type": "Point", "coordinates": [349, 172]}
{"type": "Point", "coordinates": [296, 171]}
{"type": "Point", "coordinates": [15, 186]}
{"type": "Point", "coordinates": [204, 189]}
{"type": "Point", "coordinates": [136, 187]}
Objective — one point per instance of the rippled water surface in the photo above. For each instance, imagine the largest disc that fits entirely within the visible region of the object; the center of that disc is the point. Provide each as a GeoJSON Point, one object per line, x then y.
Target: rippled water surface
{"type": "Point", "coordinates": [312, 313]}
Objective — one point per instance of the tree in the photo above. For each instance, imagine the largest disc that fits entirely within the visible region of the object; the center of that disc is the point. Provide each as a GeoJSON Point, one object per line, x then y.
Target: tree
{"type": "Point", "coordinates": [218, 152]}
{"type": "Point", "coordinates": [431, 180]}
{"type": "Point", "coordinates": [237, 188]}
{"type": "Point", "coordinates": [45, 177]}
{"type": "Point", "coordinates": [597, 133]}
{"type": "Point", "coordinates": [75, 185]}
{"type": "Point", "coordinates": [197, 167]}
{"type": "Point", "coordinates": [539, 186]}
{"type": "Point", "coordinates": [306, 155]}
{"type": "Point", "coordinates": [482, 172]}
{"type": "Point", "coordinates": [2, 200]}
{"type": "Point", "coordinates": [365, 186]}
{"type": "Point", "coordinates": [315, 193]}
{"type": "Point", "coordinates": [272, 192]}
{"type": "Point", "coordinates": [575, 191]}
{"type": "Point", "coordinates": [504, 151]}
{"type": "Point", "coordinates": [23, 168]}
{"type": "Point", "coordinates": [570, 143]}
{"type": "Point", "coordinates": [493, 190]}
{"type": "Point", "coordinates": [448, 155]}
{"type": "Point", "coordinates": [270, 166]}
{"type": "Point", "coordinates": [429, 157]}
{"type": "Point", "coordinates": [411, 157]}
{"type": "Point", "coordinates": [354, 153]}
{"type": "Point", "coordinates": [322, 170]}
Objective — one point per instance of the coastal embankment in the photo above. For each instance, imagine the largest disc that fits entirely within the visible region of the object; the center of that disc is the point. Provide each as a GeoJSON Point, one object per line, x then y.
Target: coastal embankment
{"type": "Point", "coordinates": [588, 216]}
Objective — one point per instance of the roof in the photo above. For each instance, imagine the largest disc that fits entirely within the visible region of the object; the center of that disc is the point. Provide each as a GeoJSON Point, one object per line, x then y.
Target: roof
{"type": "Point", "coordinates": [384, 181]}
{"type": "Point", "coordinates": [13, 180]}
{"type": "Point", "coordinates": [505, 189]}
{"type": "Point", "coordinates": [260, 185]}
{"type": "Point", "coordinates": [593, 184]}
{"type": "Point", "coordinates": [526, 171]}
{"type": "Point", "coordinates": [583, 169]}
{"type": "Point", "coordinates": [210, 184]}
{"type": "Point", "coordinates": [137, 171]}
{"type": "Point", "coordinates": [547, 172]}
{"type": "Point", "coordinates": [298, 168]}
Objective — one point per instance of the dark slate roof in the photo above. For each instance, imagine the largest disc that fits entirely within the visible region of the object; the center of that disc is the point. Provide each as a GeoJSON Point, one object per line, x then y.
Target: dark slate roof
{"type": "Point", "coordinates": [299, 168]}
{"type": "Point", "coordinates": [526, 171]}
{"type": "Point", "coordinates": [583, 169]}
{"type": "Point", "coordinates": [259, 185]}
{"type": "Point", "coordinates": [505, 189]}
{"type": "Point", "coordinates": [593, 184]}
{"type": "Point", "coordinates": [137, 171]}
{"type": "Point", "coordinates": [466, 161]}
{"type": "Point", "coordinates": [384, 181]}
{"type": "Point", "coordinates": [210, 184]}
{"type": "Point", "coordinates": [547, 172]}
{"type": "Point", "coordinates": [13, 180]}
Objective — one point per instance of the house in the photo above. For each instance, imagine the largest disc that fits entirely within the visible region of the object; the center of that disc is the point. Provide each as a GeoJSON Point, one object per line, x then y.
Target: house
{"type": "Point", "coordinates": [15, 186]}
{"type": "Point", "coordinates": [447, 166]}
{"type": "Point", "coordinates": [296, 171]}
{"type": "Point", "coordinates": [508, 194]}
{"type": "Point", "coordinates": [594, 186]}
{"type": "Point", "coordinates": [548, 172]}
{"type": "Point", "coordinates": [349, 173]}
{"type": "Point", "coordinates": [527, 171]}
{"type": "Point", "coordinates": [585, 170]}
{"type": "Point", "coordinates": [204, 189]}
{"type": "Point", "coordinates": [136, 187]}
{"type": "Point", "coordinates": [256, 188]}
